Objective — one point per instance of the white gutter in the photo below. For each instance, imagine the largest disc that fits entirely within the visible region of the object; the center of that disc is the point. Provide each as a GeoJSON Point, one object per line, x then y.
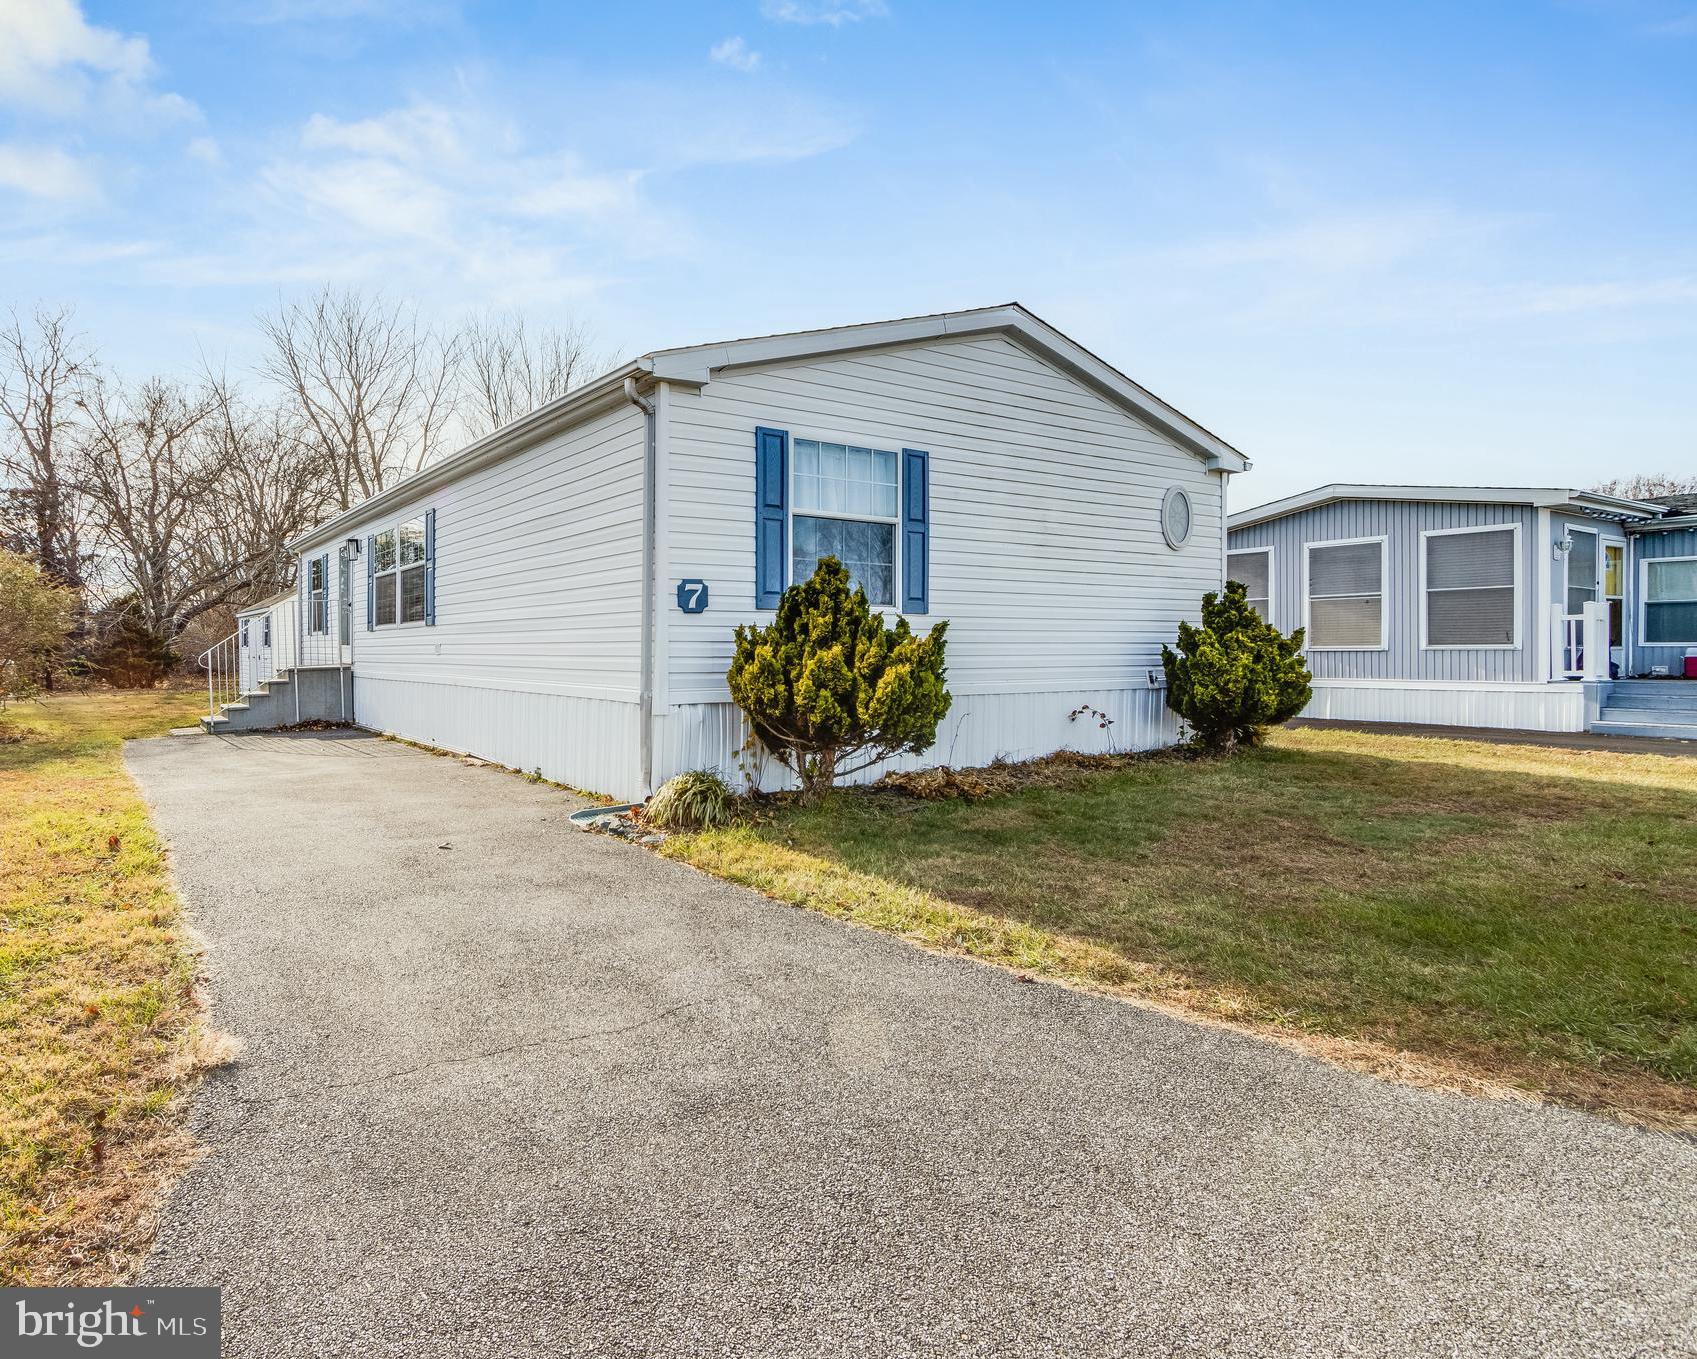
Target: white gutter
{"type": "Point", "coordinates": [645, 697]}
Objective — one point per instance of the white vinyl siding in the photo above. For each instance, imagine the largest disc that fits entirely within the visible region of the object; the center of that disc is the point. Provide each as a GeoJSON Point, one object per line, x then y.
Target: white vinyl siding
{"type": "Point", "coordinates": [534, 659]}
{"type": "Point", "coordinates": [1253, 569]}
{"type": "Point", "coordinates": [1047, 553]}
{"type": "Point", "coordinates": [1346, 595]}
{"type": "Point", "coordinates": [1670, 601]}
{"type": "Point", "coordinates": [1470, 587]}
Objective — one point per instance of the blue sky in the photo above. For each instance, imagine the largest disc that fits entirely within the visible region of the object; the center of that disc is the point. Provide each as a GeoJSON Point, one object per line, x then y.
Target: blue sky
{"type": "Point", "coordinates": [1361, 242]}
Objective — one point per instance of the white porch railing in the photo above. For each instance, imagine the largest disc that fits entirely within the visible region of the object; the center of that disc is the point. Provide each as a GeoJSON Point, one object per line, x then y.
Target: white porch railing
{"type": "Point", "coordinates": [223, 665]}
{"type": "Point", "coordinates": [1581, 644]}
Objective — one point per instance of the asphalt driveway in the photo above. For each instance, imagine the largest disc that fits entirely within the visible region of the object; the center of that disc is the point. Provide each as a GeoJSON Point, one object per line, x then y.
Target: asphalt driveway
{"type": "Point", "coordinates": [513, 1090]}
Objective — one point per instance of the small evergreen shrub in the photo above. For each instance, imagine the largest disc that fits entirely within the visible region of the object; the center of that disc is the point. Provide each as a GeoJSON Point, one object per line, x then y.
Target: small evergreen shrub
{"type": "Point", "coordinates": [1236, 675]}
{"type": "Point", "coordinates": [697, 800]}
{"type": "Point", "coordinates": [830, 689]}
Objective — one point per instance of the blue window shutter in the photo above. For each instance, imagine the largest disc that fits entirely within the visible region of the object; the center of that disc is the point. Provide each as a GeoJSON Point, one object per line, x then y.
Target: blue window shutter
{"type": "Point", "coordinates": [430, 568]}
{"type": "Point", "coordinates": [916, 531]}
{"type": "Point", "coordinates": [371, 582]}
{"type": "Point", "coordinates": [771, 514]}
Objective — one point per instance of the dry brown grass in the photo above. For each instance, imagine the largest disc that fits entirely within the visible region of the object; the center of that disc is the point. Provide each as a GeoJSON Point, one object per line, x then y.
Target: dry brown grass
{"type": "Point", "coordinates": [102, 1027]}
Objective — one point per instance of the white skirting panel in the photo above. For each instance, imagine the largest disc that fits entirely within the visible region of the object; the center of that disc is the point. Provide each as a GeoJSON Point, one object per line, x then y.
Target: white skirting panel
{"type": "Point", "coordinates": [589, 743]}
{"type": "Point", "coordinates": [1516, 707]}
{"type": "Point", "coordinates": [980, 728]}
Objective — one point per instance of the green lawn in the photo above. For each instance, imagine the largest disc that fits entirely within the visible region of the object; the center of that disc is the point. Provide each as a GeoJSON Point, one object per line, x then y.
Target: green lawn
{"type": "Point", "coordinates": [1520, 914]}
{"type": "Point", "coordinates": [99, 1029]}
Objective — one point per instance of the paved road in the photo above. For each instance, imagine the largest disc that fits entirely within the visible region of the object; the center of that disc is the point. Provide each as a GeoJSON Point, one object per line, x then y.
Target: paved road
{"type": "Point", "coordinates": [513, 1090]}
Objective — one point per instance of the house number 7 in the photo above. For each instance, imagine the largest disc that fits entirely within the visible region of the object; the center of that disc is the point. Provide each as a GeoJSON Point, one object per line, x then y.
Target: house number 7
{"type": "Point", "coordinates": [692, 596]}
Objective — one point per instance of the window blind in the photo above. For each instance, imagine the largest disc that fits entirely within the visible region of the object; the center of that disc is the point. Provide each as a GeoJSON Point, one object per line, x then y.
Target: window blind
{"type": "Point", "coordinates": [1250, 570]}
{"type": "Point", "coordinates": [1670, 602]}
{"type": "Point", "coordinates": [1345, 595]}
{"type": "Point", "coordinates": [1470, 588]}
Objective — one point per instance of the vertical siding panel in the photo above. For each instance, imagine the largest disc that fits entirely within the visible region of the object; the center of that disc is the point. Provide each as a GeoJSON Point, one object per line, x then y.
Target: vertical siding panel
{"type": "Point", "coordinates": [1650, 547]}
{"type": "Point", "coordinates": [1401, 523]}
{"type": "Point", "coordinates": [979, 729]}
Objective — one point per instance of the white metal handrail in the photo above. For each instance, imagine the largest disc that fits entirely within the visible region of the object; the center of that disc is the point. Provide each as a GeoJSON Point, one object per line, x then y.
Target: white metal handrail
{"type": "Point", "coordinates": [222, 662]}
{"type": "Point", "coordinates": [1571, 642]}
{"type": "Point", "coordinates": [1582, 642]}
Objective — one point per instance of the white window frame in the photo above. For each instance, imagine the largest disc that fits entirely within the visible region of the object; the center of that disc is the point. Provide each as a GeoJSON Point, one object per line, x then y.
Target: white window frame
{"type": "Point", "coordinates": [1426, 598]}
{"type": "Point", "coordinates": [245, 641]}
{"type": "Point", "coordinates": [1384, 592]}
{"type": "Point", "coordinates": [1644, 601]}
{"type": "Point", "coordinates": [856, 441]}
{"type": "Point", "coordinates": [394, 526]}
{"type": "Point", "coordinates": [1272, 588]}
{"type": "Point", "coordinates": [313, 597]}
{"type": "Point", "coordinates": [1619, 545]}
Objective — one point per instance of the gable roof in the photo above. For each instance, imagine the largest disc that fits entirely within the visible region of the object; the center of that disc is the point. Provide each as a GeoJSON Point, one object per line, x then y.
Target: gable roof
{"type": "Point", "coordinates": [696, 365]}
{"type": "Point", "coordinates": [1539, 497]}
{"type": "Point", "coordinates": [265, 605]}
{"type": "Point", "coordinates": [699, 363]}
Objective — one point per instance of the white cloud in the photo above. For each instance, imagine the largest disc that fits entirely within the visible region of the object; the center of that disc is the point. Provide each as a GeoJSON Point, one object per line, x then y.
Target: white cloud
{"type": "Point", "coordinates": [206, 150]}
{"type": "Point", "coordinates": [442, 200]}
{"type": "Point", "coordinates": [421, 132]}
{"type": "Point", "coordinates": [53, 62]}
{"type": "Point", "coordinates": [46, 172]}
{"type": "Point", "coordinates": [832, 12]}
{"type": "Point", "coordinates": [735, 53]}
{"type": "Point", "coordinates": [1341, 243]}
{"type": "Point", "coordinates": [374, 197]}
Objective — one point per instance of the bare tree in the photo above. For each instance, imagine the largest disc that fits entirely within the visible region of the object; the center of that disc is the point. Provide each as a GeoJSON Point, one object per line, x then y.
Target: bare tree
{"type": "Point", "coordinates": [42, 366]}
{"type": "Point", "coordinates": [1647, 484]}
{"type": "Point", "coordinates": [271, 488]}
{"type": "Point", "coordinates": [374, 391]}
{"type": "Point", "coordinates": [509, 370]}
{"type": "Point", "coordinates": [163, 467]}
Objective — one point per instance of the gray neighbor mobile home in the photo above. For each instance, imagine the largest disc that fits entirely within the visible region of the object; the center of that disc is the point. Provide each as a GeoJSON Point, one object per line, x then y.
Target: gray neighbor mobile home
{"type": "Point", "coordinates": [1543, 609]}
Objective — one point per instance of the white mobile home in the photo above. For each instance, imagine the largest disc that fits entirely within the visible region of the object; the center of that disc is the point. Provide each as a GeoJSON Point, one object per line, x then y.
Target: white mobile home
{"type": "Point", "coordinates": [1538, 608]}
{"type": "Point", "coordinates": [561, 595]}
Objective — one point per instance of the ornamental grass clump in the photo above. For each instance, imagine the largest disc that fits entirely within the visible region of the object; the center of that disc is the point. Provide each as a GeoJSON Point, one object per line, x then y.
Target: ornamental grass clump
{"type": "Point", "coordinates": [696, 800]}
{"type": "Point", "coordinates": [1236, 675]}
{"type": "Point", "coordinates": [831, 689]}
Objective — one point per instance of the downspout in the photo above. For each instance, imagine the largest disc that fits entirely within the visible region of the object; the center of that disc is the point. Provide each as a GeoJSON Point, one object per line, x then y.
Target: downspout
{"type": "Point", "coordinates": [645, 698]}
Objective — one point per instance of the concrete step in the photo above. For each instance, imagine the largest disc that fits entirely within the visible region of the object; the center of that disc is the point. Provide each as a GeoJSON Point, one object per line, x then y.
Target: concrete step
{"type": "Point", "coordinates": [237, 707]}
{"type": "Point", "coordinates": [1657, 686]}
{"type": "Point", "coordinates": [1613, 723]}
{"type": "Point", "coordinates": [1652, 699]}
{"type": "Point", "coordinates": [1625, 712]}
{"type": "Point", "coordinates": [211, 724]}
